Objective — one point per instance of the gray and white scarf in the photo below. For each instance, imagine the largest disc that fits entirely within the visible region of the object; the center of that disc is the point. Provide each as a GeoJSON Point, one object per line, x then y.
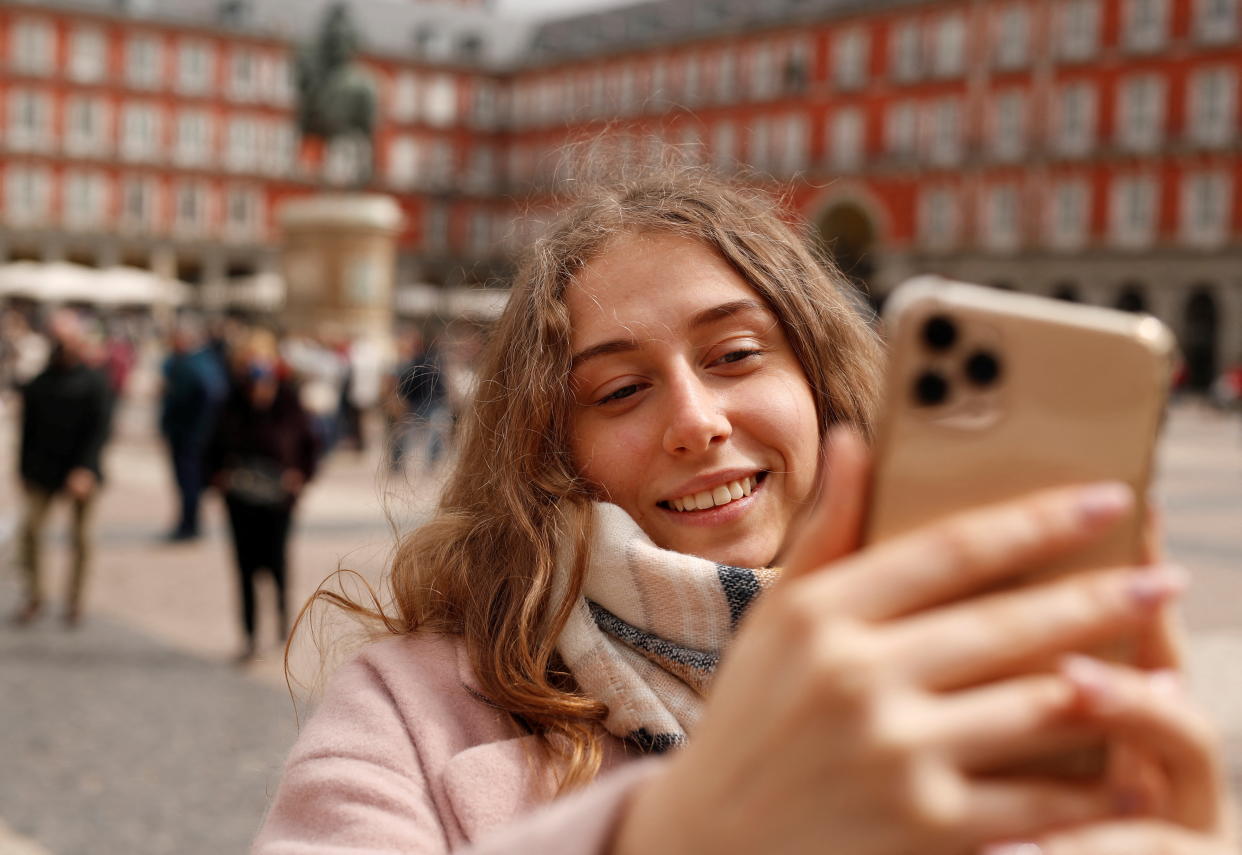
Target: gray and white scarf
{"type": "Point", "coordinates": [646, 636]}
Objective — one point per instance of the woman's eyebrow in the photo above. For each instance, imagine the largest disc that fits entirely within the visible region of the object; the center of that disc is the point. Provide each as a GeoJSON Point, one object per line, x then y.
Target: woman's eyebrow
{"type": "Point", "coordinates": [706, 316]}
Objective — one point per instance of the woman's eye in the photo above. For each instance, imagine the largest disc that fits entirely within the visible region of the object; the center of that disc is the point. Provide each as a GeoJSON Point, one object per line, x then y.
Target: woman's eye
{"type": "Point", "coordinates": [737, 356]}
{"type": "Point", "coordinates": [623, 392]}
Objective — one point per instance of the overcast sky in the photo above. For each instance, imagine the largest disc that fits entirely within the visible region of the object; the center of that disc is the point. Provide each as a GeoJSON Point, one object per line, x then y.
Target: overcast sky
{"type": "Point", "coordinates": [551, 7]}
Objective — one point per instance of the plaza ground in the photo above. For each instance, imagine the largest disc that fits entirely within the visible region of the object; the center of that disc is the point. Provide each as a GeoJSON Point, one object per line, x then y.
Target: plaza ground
{"type": "Point", "coordinates": [136, 733]}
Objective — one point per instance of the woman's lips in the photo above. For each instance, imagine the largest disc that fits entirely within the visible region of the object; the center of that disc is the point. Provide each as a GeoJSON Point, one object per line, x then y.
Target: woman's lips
{"type": "Point", "coordinates": [719, 513]}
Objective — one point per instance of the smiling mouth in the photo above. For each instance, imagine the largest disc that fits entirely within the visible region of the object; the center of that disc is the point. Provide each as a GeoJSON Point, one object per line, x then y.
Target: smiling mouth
{"type": "Point", "coordinates": [717, 496]}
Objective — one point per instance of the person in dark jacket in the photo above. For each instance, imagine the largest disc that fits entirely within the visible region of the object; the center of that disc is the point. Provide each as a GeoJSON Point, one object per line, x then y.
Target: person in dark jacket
{"type": "Point", "coordinates": [65, 419]}
{"type": "Point", "coordinates": [261, 455]}
{"type": "Point", "coordinates": [195, 385]}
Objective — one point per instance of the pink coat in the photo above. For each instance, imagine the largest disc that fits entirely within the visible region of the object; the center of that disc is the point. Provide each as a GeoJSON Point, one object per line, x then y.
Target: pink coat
{"type": "Point", "coordinates": [404, 755]}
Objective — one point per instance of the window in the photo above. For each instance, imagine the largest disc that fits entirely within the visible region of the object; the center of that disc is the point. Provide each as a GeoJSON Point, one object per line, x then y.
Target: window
{"type": "Point", "coordinates": [138, 202]}
{"type": "Point", "coordinates": [481, 173]}
{"type": "Point", "coordinates": [1001, 225]}
{"type": "Point", "coordinates": [241, 148]}
{"type": "Point", "coordinates": [726, 76]}
{"type": "Point", "coordinates": [191, 212]}
{"type": "Point", "coordinates": [193, 146]}
{"type": "Point", "coordinates": [1010, 36]}
{"type": "Point", "coordinates": [724, 146]}
{"type": "Point", "coordinates": [797, 71]}
{"type": "Point", "coordinates": [1213, 106]}
{"type": "Point", "coordinates": [86, 130]}
{"type": "Point", "coordinates": [1144, 24]}
{"type": "Point", "coordinates": [483, 105]}
{"type": "Point", "coordinates": [1216, 21]}
{"type": "Point", "coordinates": [1140, 125]}
{"type": "Point", "coordinates": [440, 100]}
{"type": "Point", "coordinates": [692, 79]}
{"type": "Point", "coordinates": [31, 43]}
{"type": "Point", "coordinates": [1078, 29]}
{"type": "Point", "coordinates": [845, 131]}
{"type": "Point", "coordinates": [243, 214]}
{"type": "Point", "coordinates": [763, 72]}
{"type": "Point", "coordinates": [402, 166]}
{"type": "Point", "coordinates": [945, 132]}
{"type": "Point", "coordinates": [30, 119]}
{"type": "Point", "coordinates": [901, 130]}
{"type": "Point", "coordinates": [792, 144]}
{"type": "Point", "coordinates": [1132, 211]}
{"type": "Point", "coordinates": [195, 67]}
{"type": "Point", "coordinates": [243, 74]}
{"type": "Point", "coordinates": [758, 145]}
{"type": "Point", "coordinates": [1075, 121]}
{"type": "Point", "coordinates": [87, 59]}
{"type": "Point", "coordinates": [1205, 208]}
{"type": "Point", "coordinates": [436, 227]}
{"type": "Point", "coordinates": [938, 217]}
{"type": "Point", "coordinates": [948, 57]}
{"type": "Point", "coordinates": [84, 203]}
{"type": "Point", "coordinates": [905, 51]}
{"type": "Point", "coordinates": [1068, 214]}
{"type": "Point", "coordinates": [1008, 125]}
{"type": "Point", "coordinates": [850, 52]}
{"type": "Point", "coordinates": [280, 148]}
{"type": "Point", "coordinates": [404, 102]}
{"type": "Point", "coordinates": [480, 237]}
{"type": "Point", "coordinates": [275, 81]}
{"type": "Point", "coordinates": [27, 194]}
{"type": "Point", "coordinates": [140, 132]}
{"type": "Point", "coordinates": [144, 55]}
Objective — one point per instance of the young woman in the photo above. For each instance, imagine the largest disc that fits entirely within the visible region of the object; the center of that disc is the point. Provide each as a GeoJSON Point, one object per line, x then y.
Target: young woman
{"type": "Point", "coordinates": [649, 424]}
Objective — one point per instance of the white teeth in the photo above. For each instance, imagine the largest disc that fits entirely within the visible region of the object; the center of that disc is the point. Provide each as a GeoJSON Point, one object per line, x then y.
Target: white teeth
{"type": "Point", "coordinates": [721, 495]}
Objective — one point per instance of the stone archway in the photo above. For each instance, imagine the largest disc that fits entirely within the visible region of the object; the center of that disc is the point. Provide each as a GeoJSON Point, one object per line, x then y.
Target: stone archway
{"type": "Point", "coordinates": [1202, 327]}
{"type": "Point", "coordinates": [847, 234]}
{"type": "Point", "coordinates": [1131, 298]}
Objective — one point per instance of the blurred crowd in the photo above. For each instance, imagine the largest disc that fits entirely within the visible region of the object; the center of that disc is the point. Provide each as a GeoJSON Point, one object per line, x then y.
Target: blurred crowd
{"type": "Point", "coordinates": [242, 408]}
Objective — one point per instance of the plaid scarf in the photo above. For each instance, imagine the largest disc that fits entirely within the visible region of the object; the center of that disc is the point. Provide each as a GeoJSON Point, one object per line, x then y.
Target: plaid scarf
{"type": "Point", "coordinates": [647, 634]}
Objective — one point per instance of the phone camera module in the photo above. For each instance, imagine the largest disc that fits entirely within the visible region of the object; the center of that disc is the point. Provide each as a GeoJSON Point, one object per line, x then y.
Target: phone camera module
{"type": "Point", "coordinates": [930, 389]}
{"type": "Point", "coordinates": [983, 368]}
{"type": "Point", "coordinates": [939, 333]}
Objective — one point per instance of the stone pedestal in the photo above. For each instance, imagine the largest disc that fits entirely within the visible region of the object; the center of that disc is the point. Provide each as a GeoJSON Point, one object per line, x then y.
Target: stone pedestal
{"type": "Point", "coordinates": [339, 263]}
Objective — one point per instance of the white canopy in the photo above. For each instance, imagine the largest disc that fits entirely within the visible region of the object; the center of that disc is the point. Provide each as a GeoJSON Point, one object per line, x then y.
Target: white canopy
{"type": "Point", "coordinates": [64, 282]}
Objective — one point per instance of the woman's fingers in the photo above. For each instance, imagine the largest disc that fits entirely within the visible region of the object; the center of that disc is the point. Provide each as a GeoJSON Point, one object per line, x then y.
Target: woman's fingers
{"type": "Point", "coordinates": [1120, 837]}
{"type": "Point", "coordinates": [1009, 809]}
{"type": "Point", "coordinates": [1002, 724]}
{"type": "Point", "coordinates": [986, 637]}
{"type": "Point", "coordinates": [974, 550]}
{"type": "Point", "coordinates": [1150, 710]}
{"type": "Point", "coordinates": [834, 525]}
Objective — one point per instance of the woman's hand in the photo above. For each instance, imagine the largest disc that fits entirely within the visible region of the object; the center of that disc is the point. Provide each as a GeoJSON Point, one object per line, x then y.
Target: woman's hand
{"type": "Point", "coordinates": [1186, 810]}
{"type": "Point", "coordinates": [862, 702]}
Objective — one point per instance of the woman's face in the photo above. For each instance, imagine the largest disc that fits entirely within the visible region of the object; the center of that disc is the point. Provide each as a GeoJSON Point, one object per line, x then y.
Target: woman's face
{"type": "Point", "coordinates": [693, 413]}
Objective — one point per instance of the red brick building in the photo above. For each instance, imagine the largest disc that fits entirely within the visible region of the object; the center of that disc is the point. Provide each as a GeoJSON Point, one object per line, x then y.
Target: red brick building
{"type": "Point", "coordinates": [1084, 148]}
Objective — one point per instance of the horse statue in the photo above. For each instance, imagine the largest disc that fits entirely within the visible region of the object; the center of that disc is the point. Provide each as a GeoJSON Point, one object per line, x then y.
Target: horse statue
{"type": "Point", "coordinates": [336, 96]}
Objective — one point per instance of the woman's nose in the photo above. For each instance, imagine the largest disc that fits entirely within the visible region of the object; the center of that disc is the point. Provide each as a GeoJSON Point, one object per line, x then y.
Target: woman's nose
{"type": "Point", "coordinates": [696, 418]}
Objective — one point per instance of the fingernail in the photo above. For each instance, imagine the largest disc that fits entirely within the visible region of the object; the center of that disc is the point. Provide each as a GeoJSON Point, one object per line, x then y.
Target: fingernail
{"type": "Point", "coordinates": [1151, 586]}
{"type": "Point", "coordinates": [1104, 500]}
{"type": "Point", "coordinates": [1092, 681]}
{"type": "Point", "coordinates": [1012, 849]}
{"type": "Point", "coordinates": [1167, 682]}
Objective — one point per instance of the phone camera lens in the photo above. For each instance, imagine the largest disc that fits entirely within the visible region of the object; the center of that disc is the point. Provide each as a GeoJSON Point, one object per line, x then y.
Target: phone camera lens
{"type": "Point", "coordinates": [982, 368]}
{"type": "Point", "coordinates": [939, 332]}
{"type": "Point", "coordinates": [930, 389]}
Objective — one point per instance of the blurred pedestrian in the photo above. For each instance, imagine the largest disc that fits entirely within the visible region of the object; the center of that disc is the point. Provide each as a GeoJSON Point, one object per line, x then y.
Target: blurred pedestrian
{"type": "Point", "coordinates": [195, 385]}
{"type": "Point", "coordinates": [415, 402]}
{"type": "Point", "coordinates": [64, 426]}
{"type": "Point", "coordinates": [261, 455]}
{"type": "Point", "coordinates": [320, 374]}
{"type": "Point", "coordinates": [361, 391]}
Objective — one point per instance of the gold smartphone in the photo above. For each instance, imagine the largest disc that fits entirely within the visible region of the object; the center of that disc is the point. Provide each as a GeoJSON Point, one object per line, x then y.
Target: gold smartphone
{"type": "Point", "coordinates": [992, 394]}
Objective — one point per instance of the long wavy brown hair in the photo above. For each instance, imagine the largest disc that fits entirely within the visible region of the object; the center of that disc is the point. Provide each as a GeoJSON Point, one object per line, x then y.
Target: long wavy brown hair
{"type": "Point", "coordinates": [482, 568]}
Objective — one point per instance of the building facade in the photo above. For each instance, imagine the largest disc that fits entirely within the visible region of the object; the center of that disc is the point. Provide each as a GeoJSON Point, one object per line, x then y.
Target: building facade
{"type": "Point", "coordinates": [1087, 149]}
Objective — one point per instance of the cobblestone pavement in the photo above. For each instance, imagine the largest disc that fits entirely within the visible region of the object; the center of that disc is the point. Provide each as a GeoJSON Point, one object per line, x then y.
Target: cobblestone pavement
{"type": "Point", "coordinates": [137, 734]}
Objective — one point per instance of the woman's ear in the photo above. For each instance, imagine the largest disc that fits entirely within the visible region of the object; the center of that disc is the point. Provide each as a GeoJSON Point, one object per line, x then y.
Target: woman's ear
{"type": "Point", "coordinates": [833, 527]}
